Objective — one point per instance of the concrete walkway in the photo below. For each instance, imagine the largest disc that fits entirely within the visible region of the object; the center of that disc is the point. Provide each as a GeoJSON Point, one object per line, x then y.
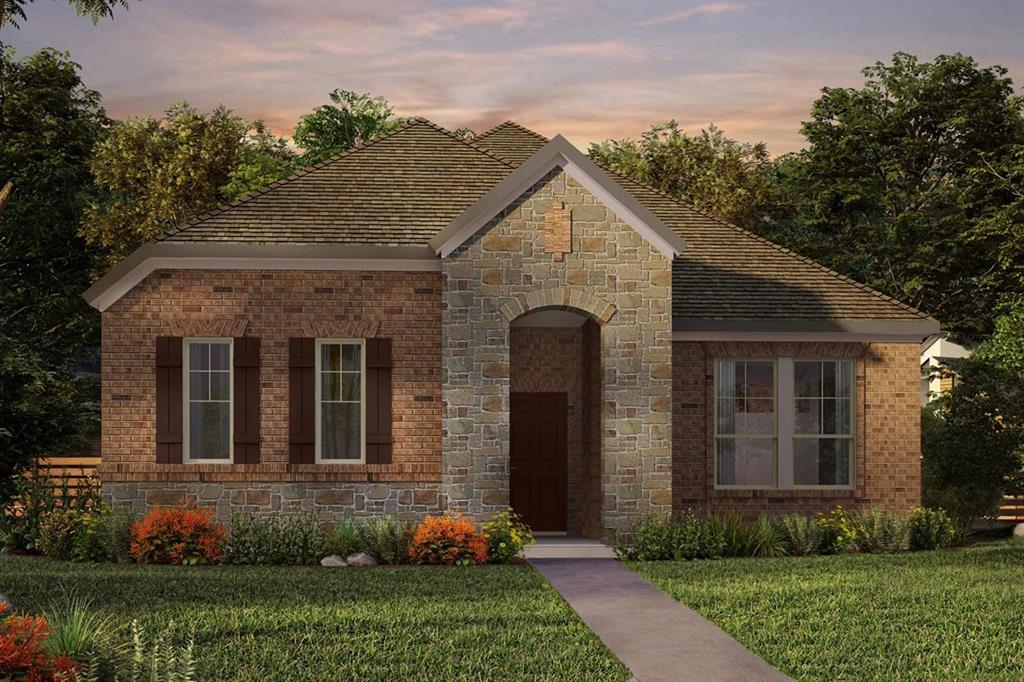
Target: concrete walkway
{"type": "Point", "coordinates": [655, 636]}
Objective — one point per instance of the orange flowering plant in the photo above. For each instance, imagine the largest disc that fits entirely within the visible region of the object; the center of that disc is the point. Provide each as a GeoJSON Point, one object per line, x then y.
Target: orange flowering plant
{"type": "Point", "coordinates": [449, 539]}
{"type": "Point", "coordinates": [178, 535]}
{"type": "Point", "coordinates": [21, 650]}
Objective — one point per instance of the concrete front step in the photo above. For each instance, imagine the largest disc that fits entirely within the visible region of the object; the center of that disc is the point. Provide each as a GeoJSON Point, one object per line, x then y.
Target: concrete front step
{"type": "Point", "coordinates": [568, 548]}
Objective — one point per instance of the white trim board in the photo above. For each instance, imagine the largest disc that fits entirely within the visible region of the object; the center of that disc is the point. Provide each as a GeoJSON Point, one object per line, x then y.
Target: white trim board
{"type": "Point", "coordinates": [232, 256]}
{"type": "Point", "coordinates": [558, 153]}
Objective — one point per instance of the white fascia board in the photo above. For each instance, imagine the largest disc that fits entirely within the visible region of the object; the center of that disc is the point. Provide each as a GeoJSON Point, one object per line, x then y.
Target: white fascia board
{"type": "Point", "coordinates": [231, 256]}
{"type": "Point", "coordinates": [558, 153]}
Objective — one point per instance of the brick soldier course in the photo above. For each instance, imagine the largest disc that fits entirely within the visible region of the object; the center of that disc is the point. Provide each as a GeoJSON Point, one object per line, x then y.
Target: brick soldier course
{"type": "Point", "coordinates": [443, 254]}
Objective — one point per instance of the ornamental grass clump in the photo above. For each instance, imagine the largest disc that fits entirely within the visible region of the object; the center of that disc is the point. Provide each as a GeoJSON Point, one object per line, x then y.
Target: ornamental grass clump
{"type": "Point", "coordinates": [449, 539]}
{"type": "Point", "coordinates": [746, 538]}
{"type": "Point", "coordinates": [386, 539]}
{"type": "Point", "coordinates": [801, 535]}
{"type": "Point", "coordinates": [179, 536]}
{"type": "Point", "coordinates": [507, 534]}
{"type": "Point", "coordinates": [879, 531]}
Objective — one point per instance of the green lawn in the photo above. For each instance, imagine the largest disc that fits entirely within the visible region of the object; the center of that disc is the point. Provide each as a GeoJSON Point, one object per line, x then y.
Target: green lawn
{"type": "Point", "coordinates": [928, 615]}
{"type": "Point", "coordinates": [492, 622]}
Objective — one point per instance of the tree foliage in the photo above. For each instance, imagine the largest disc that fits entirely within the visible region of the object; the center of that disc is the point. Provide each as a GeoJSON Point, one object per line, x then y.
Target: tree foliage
{"type": "Point", "coordinates": [13, 11]}
{"type": "Point", "coordinates": [352, 119]}
{"type": "Point", "coordinates": [972, 438]}
{"type": "Point", "coordinates": [49, 123]}
{"type": "Point", "coordinates": [728, 179]}
{"type": "Point", "coordinates": [155, 174]}
{"type": "Point", "coordinates": [899, 186]}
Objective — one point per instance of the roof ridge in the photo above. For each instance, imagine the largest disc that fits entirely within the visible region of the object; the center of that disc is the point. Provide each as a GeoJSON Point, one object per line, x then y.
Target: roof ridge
{"type": "Point", "coordinates": [468, 143]}
{"type": "Point", "coordinates": [517, 126]}
{"type": "Point", "coordinates": [405, 125]}
{"type": "Point", "coordinates": [777, 247]}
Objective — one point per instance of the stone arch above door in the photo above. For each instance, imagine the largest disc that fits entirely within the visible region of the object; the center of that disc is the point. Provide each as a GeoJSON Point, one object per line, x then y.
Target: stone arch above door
{"type": "Point", "coordinates": [567, 299]}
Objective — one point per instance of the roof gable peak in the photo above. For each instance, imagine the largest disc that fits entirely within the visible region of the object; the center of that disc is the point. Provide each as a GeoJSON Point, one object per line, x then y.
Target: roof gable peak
{"type": "Point", "coordinates": [559, 153]}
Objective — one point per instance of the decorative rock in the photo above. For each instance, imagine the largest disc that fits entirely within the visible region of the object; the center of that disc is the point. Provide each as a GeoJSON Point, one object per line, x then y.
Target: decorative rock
{"type": "Point", "coordinates": [333, 561]}
{"type": "Point", "coordinates": [1018, 531]}
{"type": "Point", "coordinates": [361, 559]}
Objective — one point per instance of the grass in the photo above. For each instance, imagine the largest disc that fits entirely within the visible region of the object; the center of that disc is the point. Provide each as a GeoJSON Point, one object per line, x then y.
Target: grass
{"type": "Point", "coordinates": [260, 623]}
{"type": "Point", "coordinates": [926, 615]}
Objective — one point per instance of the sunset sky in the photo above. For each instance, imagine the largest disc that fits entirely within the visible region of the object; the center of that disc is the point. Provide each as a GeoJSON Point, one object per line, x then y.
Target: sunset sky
{"type": "Point", "coordinates": [588, 70]}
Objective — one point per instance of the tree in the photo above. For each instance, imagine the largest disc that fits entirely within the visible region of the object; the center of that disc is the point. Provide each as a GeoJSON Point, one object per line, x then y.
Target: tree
{"type": "Point", "coordinates": [157, 174]}
{"type": "Point", "coordinates": [895, 190]}
{"type": "Point", "coordinates": [11, 11]}
{"type": "Point", "coordinates": [729, 180]}
{"type": "Point", "coordinates": [49, 123]}
{"type": "Point", "coordinates": [972, 439]}
{"type": "Point", "coordinates": [352, 119]}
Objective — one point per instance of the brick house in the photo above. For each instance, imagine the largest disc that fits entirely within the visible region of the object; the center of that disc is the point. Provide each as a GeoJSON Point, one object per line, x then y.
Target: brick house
{"type": "Point", "coordinates": [425, 323]}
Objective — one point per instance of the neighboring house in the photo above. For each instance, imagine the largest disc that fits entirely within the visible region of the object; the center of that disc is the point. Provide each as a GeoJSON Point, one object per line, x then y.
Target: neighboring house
{"type": "Point", "coordinates": [425, 323]}
{"type": "Point", "coordinates": [936, 376]}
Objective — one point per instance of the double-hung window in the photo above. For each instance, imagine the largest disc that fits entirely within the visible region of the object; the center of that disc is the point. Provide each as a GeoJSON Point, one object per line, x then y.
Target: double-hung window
{"type": "Point", "coordinates": [745, 435]}
{"type": "Point", "coordinates": [784, 423]}
{"type": "Point", "coordinates": [207, 397]}
{"type": "Point", "coordinates": [340, 400]}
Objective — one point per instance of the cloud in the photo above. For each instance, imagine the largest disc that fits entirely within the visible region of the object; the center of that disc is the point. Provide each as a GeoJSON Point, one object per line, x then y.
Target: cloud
{"type": "Point", "coordinates": [683, 14]}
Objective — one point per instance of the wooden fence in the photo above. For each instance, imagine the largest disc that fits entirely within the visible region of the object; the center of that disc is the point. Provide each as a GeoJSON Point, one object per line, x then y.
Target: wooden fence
{"type": "Point", "coordinates": [1012, 509]}
{"type": "Point", "coordinates": [74, 471]}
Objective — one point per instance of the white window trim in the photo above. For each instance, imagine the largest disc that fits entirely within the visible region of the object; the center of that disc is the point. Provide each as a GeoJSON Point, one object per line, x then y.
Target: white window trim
{"type": "Point", "coordinates": [785, 426]}
{"type": "Point", "coordinates": [362, 400]}
{"type": "Point", "coordinates": [186, 389]}
{"type": "Point", "coordinates": [774, 437]}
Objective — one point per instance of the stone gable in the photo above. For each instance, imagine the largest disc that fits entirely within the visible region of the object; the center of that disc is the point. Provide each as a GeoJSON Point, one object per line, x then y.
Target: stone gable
{"type": "Point", "coordinates": [610, 273]}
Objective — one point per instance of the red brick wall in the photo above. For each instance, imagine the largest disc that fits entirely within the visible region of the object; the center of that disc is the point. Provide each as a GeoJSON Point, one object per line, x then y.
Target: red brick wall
{"type": "Point", "coordinates": [887, 471]}
{"type": "Point", "coordinates": [274, 305]}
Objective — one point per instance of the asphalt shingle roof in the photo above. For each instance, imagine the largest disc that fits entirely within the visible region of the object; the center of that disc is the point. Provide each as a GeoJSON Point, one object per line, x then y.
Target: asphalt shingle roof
{"type": "Point", "coordinates": [403, 188]}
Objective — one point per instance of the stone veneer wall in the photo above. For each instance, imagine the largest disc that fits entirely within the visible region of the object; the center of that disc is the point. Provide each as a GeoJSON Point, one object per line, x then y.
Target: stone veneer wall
{"type": "Point", "coordinates": [503, 271]}
{"type": "Point", "coordinates": [275, 305]}
{"type": "Point", "coordinates": [888, 428]}
{"type": "Point", "coordinates": [545, 360]}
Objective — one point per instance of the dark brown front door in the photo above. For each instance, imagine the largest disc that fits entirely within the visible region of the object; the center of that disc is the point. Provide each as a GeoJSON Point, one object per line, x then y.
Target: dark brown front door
{"type": "Point", "coordinates": [538, 459]}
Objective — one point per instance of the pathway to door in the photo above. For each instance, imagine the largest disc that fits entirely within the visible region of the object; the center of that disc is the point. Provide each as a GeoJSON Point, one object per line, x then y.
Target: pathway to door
{"type": "Point", "coordinates": [655, 636]}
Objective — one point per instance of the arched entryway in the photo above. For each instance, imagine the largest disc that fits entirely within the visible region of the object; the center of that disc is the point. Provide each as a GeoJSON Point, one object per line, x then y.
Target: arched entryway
{"type": "Point", "coordinates": [555, 420]}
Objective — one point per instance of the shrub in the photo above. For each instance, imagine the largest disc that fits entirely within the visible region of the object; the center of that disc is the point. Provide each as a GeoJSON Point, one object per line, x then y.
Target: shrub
{"type": "Point", "coordinates": [650, 539]}
{"type": "Point", "coordinates": [800, 534]}
{"type": "Point", "coordinates": [22, 656]}
{"type": "Point", "coordinates": [746, 538]}
{"type": "Point", "coordinates": [293, 540]}
{"type": "Point", "coordinates": [447, 539]}
{"type": "Point", "coordinates": [879, 531]}
{"type": "Point", "coordinates": [506, 535]}
{"type": "Point", "coordinates": [57, 534]}
{"type": "Point", "coordinates": [35, 497]}
{"type": "Point", "coordinates": [343, 538]}
{"type": "Point", "coordinates": [386, 539]}
{"type": "Point", "coordinates": [114, 535]}
{"type": "Point", "coordinates": [177, 535]}
{"type": "Point", "coordinates": [930, 529]}
{"type": "Point", "coordinates": [837, 532]}
{"type": "Point", "coordinates": [696, 537]}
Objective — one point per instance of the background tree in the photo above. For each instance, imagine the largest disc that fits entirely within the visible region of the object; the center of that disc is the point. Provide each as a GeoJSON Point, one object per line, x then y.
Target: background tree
{"type": "Point", "coordinates": [896, 187]}
{"type": "Point", "coordinates": [353, 118]}
{"type": "Point", "coordinates": [155, 174]}
{"type": "Point", "coordinates": [49, 123]}
{"type": "Point", "coordinates": [728, 179]}
{"type": "Point", "coordinates": [13, 11]}
{"type": "Point", "coordinates": [972, 439]}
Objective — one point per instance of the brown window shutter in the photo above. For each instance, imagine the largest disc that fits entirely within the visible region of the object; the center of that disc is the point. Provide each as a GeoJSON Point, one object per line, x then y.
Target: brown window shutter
{"type": "Point", "coordinates": [169, 382]}
{"type": "Point", "coordinates": [247, 400]}
{"type": "Point", "coordinates": [301, 401]}
{"type": "Point", "coordinates": [378, 401]}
